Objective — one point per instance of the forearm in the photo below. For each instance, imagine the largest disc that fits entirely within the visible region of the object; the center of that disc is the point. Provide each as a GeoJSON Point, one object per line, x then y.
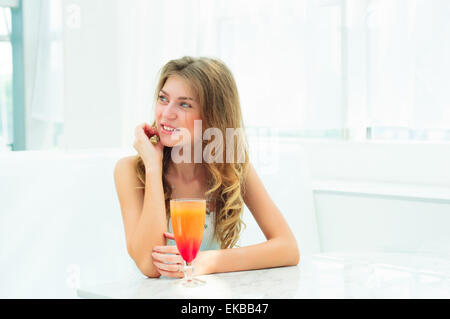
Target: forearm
{"type": "Point", "coordinates": [150, 229]}
{"type": "Point", "coordinates": [272, 253]}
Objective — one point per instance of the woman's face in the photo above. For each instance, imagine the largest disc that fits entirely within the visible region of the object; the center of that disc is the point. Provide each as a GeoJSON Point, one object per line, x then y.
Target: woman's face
{"type": "Point", "coordinates": [177, 107]}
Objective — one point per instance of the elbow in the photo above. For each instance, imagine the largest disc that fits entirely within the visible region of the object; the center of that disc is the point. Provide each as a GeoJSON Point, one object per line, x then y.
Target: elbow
{"type": "Point", "coordinates": [148, 270]}
{"type": "Point", "coordinates": [288, 252]}
{"type": "Point", "coordinates": [144, 264]}
{"type": "Point", "coordinates": [296, 256]}
{"type": "Point", "coordinates": [151, 274]}
{"type": "Point", "coordinates": [293, 254]}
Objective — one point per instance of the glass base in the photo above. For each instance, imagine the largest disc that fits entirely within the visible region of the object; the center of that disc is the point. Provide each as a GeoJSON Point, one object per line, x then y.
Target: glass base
{"type": "Point", "coordinates": [193, 282]}
{"type": "Point", "coordinates": [189, 280]}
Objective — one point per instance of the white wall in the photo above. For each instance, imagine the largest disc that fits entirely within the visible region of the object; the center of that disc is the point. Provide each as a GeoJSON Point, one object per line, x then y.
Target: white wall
{"type": "Point", "coordinates": [417, 163]}
{"type": "Point", "coordinates": [372, 222]}
{"type": "Point", "coordinates": [381, 196]}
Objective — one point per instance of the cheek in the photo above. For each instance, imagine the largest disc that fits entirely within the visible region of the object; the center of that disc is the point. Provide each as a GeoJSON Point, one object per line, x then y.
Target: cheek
{"type": "Point", "coordinates": [190, 122]}
{"type": "Point", "coordinates": [158, 111]}
{"type": "Point", "coordinates": [191, 128]}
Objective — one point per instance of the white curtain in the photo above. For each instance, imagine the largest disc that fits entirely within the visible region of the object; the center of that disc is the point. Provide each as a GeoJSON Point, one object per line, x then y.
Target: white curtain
{"type": "Point", "coordinates": [47, 93]}
{"type": "Point", "coordinates": [5, 78]}
{"type": "Point", "coordinates": [409, 65]}
{"type": "Point", "coordinates": [288, 58]}
{"type": "Point", "coordinates": [285, 56]}
{"type": "Point", "coordinates": [9, 3]}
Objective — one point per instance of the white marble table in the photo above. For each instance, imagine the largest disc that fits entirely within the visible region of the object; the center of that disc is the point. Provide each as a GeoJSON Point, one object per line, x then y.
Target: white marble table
{"type": "Point", "coordinates": [330, 275]}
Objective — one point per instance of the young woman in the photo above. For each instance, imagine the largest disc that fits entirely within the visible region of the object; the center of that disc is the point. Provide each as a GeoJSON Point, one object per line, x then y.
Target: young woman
{"type": "Point", "coordinates": [191, 90]}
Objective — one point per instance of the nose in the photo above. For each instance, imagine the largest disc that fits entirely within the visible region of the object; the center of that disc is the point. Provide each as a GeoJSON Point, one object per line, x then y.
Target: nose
{"type": "Point", "coordinates": [169, 111]}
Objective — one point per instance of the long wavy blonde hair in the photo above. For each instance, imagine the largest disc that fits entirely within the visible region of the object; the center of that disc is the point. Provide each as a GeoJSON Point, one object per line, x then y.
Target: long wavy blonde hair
{"type": "Point", "coordinates": [217, 92]}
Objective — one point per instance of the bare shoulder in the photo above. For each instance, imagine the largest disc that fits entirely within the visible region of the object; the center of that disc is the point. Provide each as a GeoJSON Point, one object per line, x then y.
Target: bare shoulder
{"type": "Point", "coordinates": [255, 195]}
{"type": "Point", "coordinates": [127, 159]}
{"type": "Point", "coordinates": [125, 173]}
{"type": "Point", "coordinates": [123, 165]}
{"type": "Point", "coordinates": [250, 178]}
{"type": "Point", "coordinates": [130, 197]}
{"type": "Point", "coordinates": [251, 174]}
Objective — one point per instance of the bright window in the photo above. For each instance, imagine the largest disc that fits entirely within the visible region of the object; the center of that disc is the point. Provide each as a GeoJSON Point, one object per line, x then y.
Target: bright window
{"type": "Point", "coordinates": [408, 69]}
{"type": "Point", "coordinates": [6, 103]}
{"type": "Point", "coordinates": [286, 57]}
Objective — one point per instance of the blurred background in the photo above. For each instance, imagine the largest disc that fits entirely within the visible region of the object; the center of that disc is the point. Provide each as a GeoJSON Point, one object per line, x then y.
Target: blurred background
{"type": "Point", "coordinates": [346, 104]}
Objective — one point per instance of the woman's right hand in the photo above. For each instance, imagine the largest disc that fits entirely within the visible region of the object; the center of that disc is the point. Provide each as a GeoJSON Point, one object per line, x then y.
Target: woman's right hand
{"type": "Point", "coordinates": [151, 155]}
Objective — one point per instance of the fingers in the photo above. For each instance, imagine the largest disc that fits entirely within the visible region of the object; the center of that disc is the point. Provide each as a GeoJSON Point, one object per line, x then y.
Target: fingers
{"type": "Point", "coordinates": [166, 258]}
{"type": "Point", "coordinates": [139, 130]}
{"type": "Point", "coordinates": [168, 265]}
{"type": "Point", "coordinates": [169, 249]}
{"type": "Point", "coordinates": [146, 128]}
{"type": "Point", "coordinates": [174, 268]}
{"type": "Point", "coordinates": [169, 235]}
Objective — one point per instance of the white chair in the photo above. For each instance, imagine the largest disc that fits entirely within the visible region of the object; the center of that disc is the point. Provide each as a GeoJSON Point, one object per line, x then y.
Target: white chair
{"type": "Point", "coordinates": [61, 225]}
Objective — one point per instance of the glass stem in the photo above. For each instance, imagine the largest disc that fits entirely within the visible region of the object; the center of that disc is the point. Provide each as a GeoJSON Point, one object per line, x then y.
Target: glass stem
{"type": "Point", "coordinates": [188, 271]}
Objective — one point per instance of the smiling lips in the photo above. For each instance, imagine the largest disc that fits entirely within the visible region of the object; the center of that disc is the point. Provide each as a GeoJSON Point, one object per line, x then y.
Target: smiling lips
{"type": "Point", "coordinates": [168, 129]}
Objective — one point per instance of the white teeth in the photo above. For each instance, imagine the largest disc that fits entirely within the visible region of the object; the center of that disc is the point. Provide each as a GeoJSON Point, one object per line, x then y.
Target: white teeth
{"type": "Point", "coordinates": [168, 128]}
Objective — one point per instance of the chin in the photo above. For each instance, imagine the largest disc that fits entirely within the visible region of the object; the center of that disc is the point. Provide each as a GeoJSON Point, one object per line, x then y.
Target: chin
{"type": "Point", "coordinates": [167, 141]}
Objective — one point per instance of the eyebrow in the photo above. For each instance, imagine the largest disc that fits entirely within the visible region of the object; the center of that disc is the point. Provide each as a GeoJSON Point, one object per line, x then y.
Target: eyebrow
{"type": "Point", "coordinates": [180, 97]}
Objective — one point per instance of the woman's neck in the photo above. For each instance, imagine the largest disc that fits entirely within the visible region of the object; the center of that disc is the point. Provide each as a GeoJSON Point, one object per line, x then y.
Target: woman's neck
{"type": "Point", "coordinates": [186, 172]}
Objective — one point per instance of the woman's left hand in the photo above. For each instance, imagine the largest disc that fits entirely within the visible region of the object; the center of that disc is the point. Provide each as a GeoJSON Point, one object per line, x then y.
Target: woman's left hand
{"type": "Point", "coordinates": [169, 262]}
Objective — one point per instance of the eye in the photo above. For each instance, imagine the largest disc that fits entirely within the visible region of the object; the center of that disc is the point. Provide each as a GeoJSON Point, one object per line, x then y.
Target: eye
{"type": "Point", "coordinates": [161, 98]}
{"type": "Point", "coordinates": [187, 105]}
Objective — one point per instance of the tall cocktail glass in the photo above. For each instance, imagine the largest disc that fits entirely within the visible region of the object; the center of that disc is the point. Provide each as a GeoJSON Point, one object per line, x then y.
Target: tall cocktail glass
{"type": "Point", "coordinates": [188, 221]}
